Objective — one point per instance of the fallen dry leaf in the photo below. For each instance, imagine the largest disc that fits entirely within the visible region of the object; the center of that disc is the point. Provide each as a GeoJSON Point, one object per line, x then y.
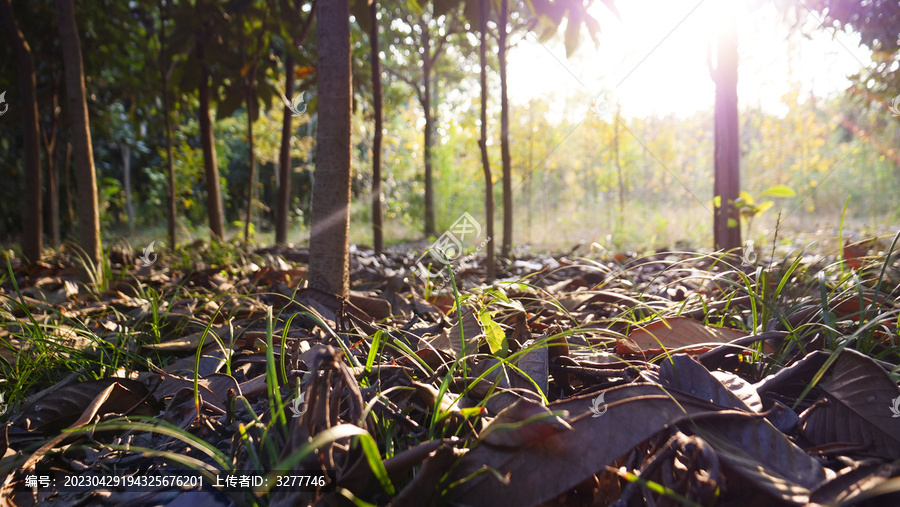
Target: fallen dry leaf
{"type": "Point", "coordinates": [557, 463]}
{"type": "Point", "coordinates": [676, 332]}
{"type": "Point", "coordinates": [859, 407]}
{"type": "Point", "coordinates": [61, 407]}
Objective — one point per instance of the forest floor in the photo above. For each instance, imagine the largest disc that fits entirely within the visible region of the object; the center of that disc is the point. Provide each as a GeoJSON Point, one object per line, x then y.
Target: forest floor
{"type": "Point", "coordinates": [210, 376]}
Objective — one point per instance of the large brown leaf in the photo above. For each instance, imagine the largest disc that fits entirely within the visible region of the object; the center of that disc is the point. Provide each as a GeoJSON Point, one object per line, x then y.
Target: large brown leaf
{"type": "Point", "coordinates": [548, 467]}
{"type": "Point", "coordinates": [675, 332]}
{"type": "Point", "coordinates": [553, 465]}
{"type": "Point", "coordinates": [748, 444]}
{"type": "Point", "coordinates": [111, 398]}
{"type": "Point", "coordinates": [689, 376]}
{"type": "Point", "coordinates": [521, 424]}
{"type": "Point", "coordinates": [61, 407]}
{"type": "Point", "coordinates": [858, 407]}
{"type": "Point", "coordinates": [847, 487]}
{"type": "Point", "coordinates": [449, 340]}
{"type": "Point", "coordinates": [752, 447]}
{"type": "Point", "coordinates": [421, 490]}
{"type": "Point", "coordinates": [535, 362]}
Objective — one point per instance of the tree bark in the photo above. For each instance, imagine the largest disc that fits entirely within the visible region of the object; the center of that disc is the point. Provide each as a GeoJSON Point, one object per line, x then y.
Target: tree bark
{"type": "Point", "coordinates": [252, 184]}
{"type": "Point", "coordinates": [429, 131]}
{"type": "Point", "coordinates": [377, 99]}
{"type": "Point", "coordinates": [79, 126]}
{"type": "Point", "coordinates": [49, 137]}
{"type": "Point", "coordinates": [328, 248]}
{"type": "Point", "coordinates": [32, 209]}
{"type": "Point", "coordinates": [249, 99]}
{"type": "Point", "coordinates": [284, 155]}
{"type": "Point", "coordinates": [506, 249]}
{"type": "Point", "coordinates": [67, 178]}
{"type": "Point", "coordinates": [126, 178]}
{"type": "Point", "coordinates": [529, 177]}
{"type": "Point", "coordinates": [163, 63]}
{"type": "Point", "coordinates": [210, 165]}
{"type": "Point", "coordinates": [621, 215]}
{"type": "Point", "coordinates": [53, 196]}
{"type": "Point", "coordinates": [482, 143]}
{"type": "Point", "coordinates": [284, 159]}
{"type": "Point", "coordinates": [726, 220]}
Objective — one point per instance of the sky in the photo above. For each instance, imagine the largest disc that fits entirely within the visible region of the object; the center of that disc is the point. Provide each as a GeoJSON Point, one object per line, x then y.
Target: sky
{"type": "Point", "coordinates": [654, 60]}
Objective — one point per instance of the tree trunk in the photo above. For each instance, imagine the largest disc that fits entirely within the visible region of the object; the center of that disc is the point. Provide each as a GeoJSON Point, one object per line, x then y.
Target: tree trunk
{"type": "Point", "coordinates": [377, 224]}
{"type": "Point", "coordinates": [429, 131]}
{"type": "Point", "coordinates": [210, 165]}
{"type": "Point", "coordinates": [529, 177]}
{"type": "Point", "coordinates": [53, 195]}
{"type": "Point", "coordinates": [126, 177]}
{"type": "Point", "coordinates": [485, 162]}
{"type": "Point", "coordinates": [79, 126]}
{"type": "Point", "coordinates": [726, 221]}
{"type": "Point", "coordinates": [67, 178]}
{"type": "Point", "coordinates": [284, 155]}
{"type": "Point", "coordinates": [621, 215]}
{"type": "Point", "coordinates": [328, 248]}
{"type": "Point", "coordinates": [32, 209]}
{"type": "Point", "coordinates": [506, 250]}
{"type": "Point", "coordinates": [170, 191]}
{"type": "Point", "coordinates": [284, 159]}
{"type": "Point", "coordinates": [50, 137]}
{"type": "Point", "coordinates": [252, 185]}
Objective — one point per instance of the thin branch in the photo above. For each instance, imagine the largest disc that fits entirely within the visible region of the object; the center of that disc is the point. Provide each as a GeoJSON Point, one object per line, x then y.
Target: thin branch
{"type": "Point", "coordinates": [306, 26]}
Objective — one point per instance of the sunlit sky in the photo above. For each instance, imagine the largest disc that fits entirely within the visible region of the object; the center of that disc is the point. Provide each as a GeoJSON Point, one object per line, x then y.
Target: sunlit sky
{"type": "Point", "coordinates": [654, 60]}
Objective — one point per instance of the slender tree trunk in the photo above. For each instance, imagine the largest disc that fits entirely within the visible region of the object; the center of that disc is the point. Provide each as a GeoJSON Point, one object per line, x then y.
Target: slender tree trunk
{"type": "Point", "coordinates": [482, 143]}
{"type": "Point", "coordinates": [53, 197]}
{"type": "Point", "coordinates": [429, 131]}
{"type": "Point", "coordinates": [529, 178]}
{"type": "Point", "coordinates": [621, 215]}
{"type": "Point", "coordinates": [170, 162]}
{"type": "Point", "coordinates": [726, 221]}
{"type": "Point", "coordinates": [126, 177]}
{"type": "Point", "coordinates": [32, 209]}
{"type": "Point", "coordinates": [506, 250]}
{"type": "Point", "coordinates": [49, 138]}
{"type": "Point", "coordinates": [284, 159]}
{"type": "Point", "coordinates": [80, 128]}
{"type": "Point", "coordinates": [68, 180]}
{"type": "Point", "coordinates": [328, 248]}
{"type": "Point", "coordinates": [210, 165]}
{"type": "Point", "coordinates": [284, 155]}
{"type": "Point", "coordinates": [250, 192]}
{"type": "Point", "coordinates": [377, 224]}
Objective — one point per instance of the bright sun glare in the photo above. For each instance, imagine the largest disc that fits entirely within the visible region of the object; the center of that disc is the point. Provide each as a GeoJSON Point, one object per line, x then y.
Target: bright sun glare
{"type": "Point", "coordinates": [654, 60]}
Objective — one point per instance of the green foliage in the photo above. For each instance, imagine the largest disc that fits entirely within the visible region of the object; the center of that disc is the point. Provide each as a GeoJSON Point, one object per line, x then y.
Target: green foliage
{"type": "Point", "coordinates": [494, 334]}
{"type": "Point", "coordinates": [750, 209]}
{"type": "Point", "coordinates": [567, 185]}
{"type": "Point", "coordinates": [876, 29]}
